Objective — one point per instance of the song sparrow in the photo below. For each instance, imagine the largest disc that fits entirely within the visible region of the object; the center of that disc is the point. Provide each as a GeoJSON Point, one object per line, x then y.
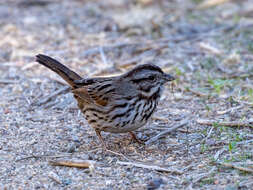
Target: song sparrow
{"type": "Point", "coordinates": [114, 104]}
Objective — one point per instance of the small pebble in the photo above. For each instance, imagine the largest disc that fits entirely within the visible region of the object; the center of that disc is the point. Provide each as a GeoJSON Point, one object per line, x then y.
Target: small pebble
{"type": "Point", "coordinates": [155, 183]}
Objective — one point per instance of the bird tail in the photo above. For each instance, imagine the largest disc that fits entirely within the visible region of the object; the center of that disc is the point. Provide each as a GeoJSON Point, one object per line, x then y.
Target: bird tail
{"type": "Point", "coordinates": [68, 75]}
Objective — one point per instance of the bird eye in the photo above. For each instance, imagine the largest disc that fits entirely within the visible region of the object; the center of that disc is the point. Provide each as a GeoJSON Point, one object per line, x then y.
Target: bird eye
{"type": "Point", "coordinates": [151, 77]}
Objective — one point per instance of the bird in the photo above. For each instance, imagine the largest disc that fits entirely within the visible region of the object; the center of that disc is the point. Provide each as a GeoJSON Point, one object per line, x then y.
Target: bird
{"type": "Point", "coordinates": [117, 104]}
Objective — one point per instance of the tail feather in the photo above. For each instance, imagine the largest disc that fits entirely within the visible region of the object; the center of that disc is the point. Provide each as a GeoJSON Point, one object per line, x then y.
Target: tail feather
{"type": "Point", "coordinates": [68, 75]}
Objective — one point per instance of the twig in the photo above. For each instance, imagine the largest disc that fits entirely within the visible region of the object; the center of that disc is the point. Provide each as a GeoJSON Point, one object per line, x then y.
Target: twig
{"type": "Point", "coordinates": [149, 166]}
{"type": "Point", "coordinates": [243, 102]}
{"type": "Point", "coordinates": [165, 120]}
{"type": "Point", "coordinates": [43, 156]}
{"type": "Point", "coordinates": [51, 96]}
{"type": "Point", "coordinates": [54, 177]}
{"type": "Point", "coordinates": [236, 167]}
{"type": "Point", "coordinates": [210, 3]}
{"type": "Point", "coordinates": [197, 93]}
{"type": "Point", "coordinates": [164, 133]}
{"type": "Point", "coordinates": [110, 151]}
{"type": "Point", "coordinates": [73, 163]}
{"type": "Point", "coordinates": [237, 75]}
{"type": "Point", "coordinates": [33, 3]}
{"type": "Point", "coordinates": [229, 110]}
{"type": "Point", "coordinates": [185, 169]}
{"type": "Point", "coordinates": [208, 135]}
{"type": "Point", "coordinates": [6, 81]}
{"type": "Point", "coordinates": [103, 57]}
{"type": "Point", "coordinates": [218, 153]}
{"type": "Point", "coordinates": [226, 123]}
{"type": "Point", "coordinates": [201, 176]}
{"type": "Point", "coordinates": [210, 48]}
{"type": "Point", "coordinates": [116, 153]}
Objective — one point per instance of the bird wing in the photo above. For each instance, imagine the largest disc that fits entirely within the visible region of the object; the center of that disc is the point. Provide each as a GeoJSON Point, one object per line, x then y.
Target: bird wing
{"type": "Point", "coordinates": [92, 92]}
{"type": "Point", "coordinates": [90, 98]}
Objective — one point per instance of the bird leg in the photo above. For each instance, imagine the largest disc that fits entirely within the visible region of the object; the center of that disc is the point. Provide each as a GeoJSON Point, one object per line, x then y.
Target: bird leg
{"type": "Point", "coordinates": [135, 138]}
{"type": "Point", "coordinates": [98, 132]}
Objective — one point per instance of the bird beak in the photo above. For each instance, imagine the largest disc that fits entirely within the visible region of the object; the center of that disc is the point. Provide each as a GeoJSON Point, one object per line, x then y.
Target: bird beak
{"type": "Point", "coordinates": [168, 77]}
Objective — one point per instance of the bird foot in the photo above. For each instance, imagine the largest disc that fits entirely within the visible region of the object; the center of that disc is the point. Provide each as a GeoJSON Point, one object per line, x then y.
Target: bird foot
{"type": "Point", "coordinates": [136, 139]}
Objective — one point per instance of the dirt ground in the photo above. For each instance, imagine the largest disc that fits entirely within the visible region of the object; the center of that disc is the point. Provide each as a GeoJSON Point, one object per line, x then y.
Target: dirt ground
{"type": "Point", "coordinates": [209, 49]}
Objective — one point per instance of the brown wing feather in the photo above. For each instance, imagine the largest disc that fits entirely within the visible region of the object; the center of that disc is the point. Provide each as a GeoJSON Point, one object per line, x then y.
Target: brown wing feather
{"type": "Point", "coordinates": [98, 91]}
{"type": "Point", "coordinates": [100, 101]}
{"type": "Point", "coordinates": [82, 93]}
{"type": "Point", "coordinates": [89, 98]}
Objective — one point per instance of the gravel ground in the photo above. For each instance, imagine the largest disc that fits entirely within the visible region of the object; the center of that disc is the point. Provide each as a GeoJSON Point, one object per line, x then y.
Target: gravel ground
{"type": "Point", "coordinates": [208, 49]}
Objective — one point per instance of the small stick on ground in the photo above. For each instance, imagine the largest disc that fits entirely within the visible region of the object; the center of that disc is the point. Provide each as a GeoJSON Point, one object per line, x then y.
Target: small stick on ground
{"type": "Point", "coordinates": [200, 177]}
{"type": "Point", "coordinates": [164, 133]}
{"type": "Point", "coordinates": [226, 123]}
{"type": "Point", "coordinates": [5, 81]}
{"type": "Point", "coordinates": [51, 96]}
{"type": "Point", "coordinates": [204, 175]}
{"type": "Point", "coordinates": [160, 119]}
{"type": "Point", "coordinates": [236, 167]}
{"type": "Point", "coordinates": [73, 163]}
{"type": "Point", "coordinates": [208, 135]}
{"type": "Point", "coordinates": [229, 110]}
{"type": "Point", "coordinates": [198, 93]}
{"type": "Point", "coordinates": [218, 153]}
{"type": "Point", "coordinates": [151, 167]}
{"type": "Point", "coordinates": [211, 3]}
{"type": "Point", "coordinates": [54, 177]}
{"type": "Point", "coordinates": [209, 48]}
{"type": "Point", "coordinates": [43, 156]}
{"type": "Point", "coordinates": [116, 153]}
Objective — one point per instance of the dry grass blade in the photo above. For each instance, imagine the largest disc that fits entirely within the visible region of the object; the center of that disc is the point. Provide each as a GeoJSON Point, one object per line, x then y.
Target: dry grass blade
{"type": "Point", "coordinates": [73, 163]}
{"type": "Point", "coordinates": [211, 3]}
{"type": "Point", "coordinates": [226, 123]}
{"type": "Point", "coordinates": [151, 167]}
{"type": "Point", "coordinates": [164, 133]}
{"type": "Point", "coordinates": [209, 48]}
